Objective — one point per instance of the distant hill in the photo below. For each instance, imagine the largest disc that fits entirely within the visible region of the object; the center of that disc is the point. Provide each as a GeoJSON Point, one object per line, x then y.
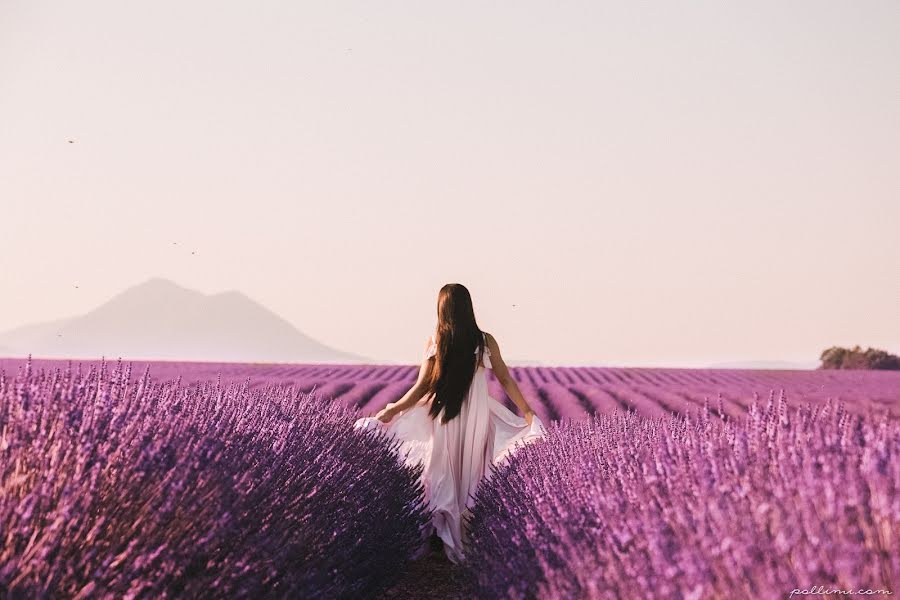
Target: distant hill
{"type": "Point", "coordinates": [523, 363]}
{"type": "Point", "coordinates": [765, 364]}
{"type": "Point", "coordinates": [159, 319]}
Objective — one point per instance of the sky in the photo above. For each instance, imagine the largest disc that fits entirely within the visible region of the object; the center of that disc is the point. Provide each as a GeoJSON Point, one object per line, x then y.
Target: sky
{"type": "Point", "coordinates": [653, 183]}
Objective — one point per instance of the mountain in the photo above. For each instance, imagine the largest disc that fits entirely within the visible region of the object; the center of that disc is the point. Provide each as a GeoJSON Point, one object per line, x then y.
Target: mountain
{"type": "Point", "coordinates": [159, 319]}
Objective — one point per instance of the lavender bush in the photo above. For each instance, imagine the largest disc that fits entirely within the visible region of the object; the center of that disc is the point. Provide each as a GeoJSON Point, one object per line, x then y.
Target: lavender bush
{"type": "Point", "coordinates": [693, 506]}
{"type": "Point", "coordinates": [113, 488]}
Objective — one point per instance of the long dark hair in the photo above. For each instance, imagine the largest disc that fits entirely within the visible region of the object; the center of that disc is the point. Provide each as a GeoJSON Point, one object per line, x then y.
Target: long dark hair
{"type": "Point", "coordinates": [457, 338]}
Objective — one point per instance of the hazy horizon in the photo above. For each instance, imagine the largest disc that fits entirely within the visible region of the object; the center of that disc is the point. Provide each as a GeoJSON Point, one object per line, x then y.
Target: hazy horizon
{"type": "Point", "coordinates": [660, 185]}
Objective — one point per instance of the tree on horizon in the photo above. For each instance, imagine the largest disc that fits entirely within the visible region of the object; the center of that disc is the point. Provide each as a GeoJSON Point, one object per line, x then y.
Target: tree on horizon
{"type": "Point", "coordinates": [837, 357]}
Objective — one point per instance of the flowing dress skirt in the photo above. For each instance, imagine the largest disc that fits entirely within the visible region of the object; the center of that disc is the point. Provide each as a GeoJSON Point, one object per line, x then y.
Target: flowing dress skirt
{"type": "Point", "coordinates": [457, 455]}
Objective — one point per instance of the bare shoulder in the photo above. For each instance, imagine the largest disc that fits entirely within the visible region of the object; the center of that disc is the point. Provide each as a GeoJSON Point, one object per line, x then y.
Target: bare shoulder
{"type": "Point", "coordinates": [491, 342]}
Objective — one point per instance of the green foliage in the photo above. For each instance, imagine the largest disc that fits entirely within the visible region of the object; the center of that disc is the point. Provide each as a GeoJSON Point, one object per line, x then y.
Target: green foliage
{"type": "Point", "coordinates": [857, 358]}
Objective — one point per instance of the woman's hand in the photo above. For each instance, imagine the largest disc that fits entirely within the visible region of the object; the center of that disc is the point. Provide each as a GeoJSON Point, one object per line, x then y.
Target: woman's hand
{"type": "Point", "coordinates": [386, 414]}
{"type": "Point", "coordinates": [529, 415]}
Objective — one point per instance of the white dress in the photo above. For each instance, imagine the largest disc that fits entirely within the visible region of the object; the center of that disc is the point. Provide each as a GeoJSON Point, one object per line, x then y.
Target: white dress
{"type": "Point", "coordinates": [457, 455]}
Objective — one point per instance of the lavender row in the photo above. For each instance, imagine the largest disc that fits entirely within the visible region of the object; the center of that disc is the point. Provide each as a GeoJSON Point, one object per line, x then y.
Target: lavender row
{"type": "Point", "coordinates": [117, 488]}
{"type": "Point", "coordinates": [694, 506]}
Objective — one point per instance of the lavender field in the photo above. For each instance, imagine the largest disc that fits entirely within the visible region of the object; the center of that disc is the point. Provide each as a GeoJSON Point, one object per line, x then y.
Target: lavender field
{"type": "Point", "coordinates": [232, 480]}
{"type": "Point", "coordinates": [113, 486]}
{"type": "Point", "coordinates": [770, 506]}
{"type": "Point", "coordinates": [557, 392]}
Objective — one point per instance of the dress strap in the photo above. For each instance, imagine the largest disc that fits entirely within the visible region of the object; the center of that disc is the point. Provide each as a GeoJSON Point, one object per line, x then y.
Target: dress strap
{"type": "Point", "coordinates": [486, 358]}
{"type": "Point", "coordinates": [432, 348]}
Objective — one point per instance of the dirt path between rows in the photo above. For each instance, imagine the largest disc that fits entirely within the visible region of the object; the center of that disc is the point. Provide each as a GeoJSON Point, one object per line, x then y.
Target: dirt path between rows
{"type": "Point", "coordinates": [432, 577]}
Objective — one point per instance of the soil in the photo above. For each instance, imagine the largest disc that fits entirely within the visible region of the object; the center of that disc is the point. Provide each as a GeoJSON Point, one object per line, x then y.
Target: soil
{"type": "Point", "coordinates": [432, 577]}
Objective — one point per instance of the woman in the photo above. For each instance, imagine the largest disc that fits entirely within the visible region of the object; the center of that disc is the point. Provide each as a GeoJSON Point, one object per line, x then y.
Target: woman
{"type": "Point", "coordinates": [447, 420]}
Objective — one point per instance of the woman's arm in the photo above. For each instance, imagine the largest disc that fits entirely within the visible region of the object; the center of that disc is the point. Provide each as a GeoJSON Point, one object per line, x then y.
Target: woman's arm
{"type": "Point", "coordinates": [415, 393]}
{"type": "Point", "coordinates": [501, 372]}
